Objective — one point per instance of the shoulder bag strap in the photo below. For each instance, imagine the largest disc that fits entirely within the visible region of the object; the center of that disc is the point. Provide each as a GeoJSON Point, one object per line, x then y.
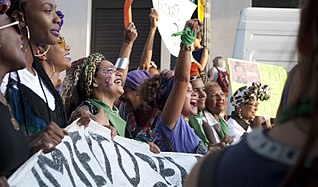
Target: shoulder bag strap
{"type": "Point", "coordinates": [167, 142]}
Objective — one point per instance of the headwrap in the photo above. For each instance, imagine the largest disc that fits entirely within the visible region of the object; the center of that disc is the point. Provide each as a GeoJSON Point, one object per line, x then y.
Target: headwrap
{"type": "Point", "coordinates": [88, 70]}
{"type": "Point", "coordinates": [4, 6]}
{"type": "Point", "coordinates": [165, 86]}
{"type": "Point", "coordinates": [61, 16]}
{"type": "Point", "coordinates": [257, 91]}
{"type": "Point", "coordinates": [136, 78]}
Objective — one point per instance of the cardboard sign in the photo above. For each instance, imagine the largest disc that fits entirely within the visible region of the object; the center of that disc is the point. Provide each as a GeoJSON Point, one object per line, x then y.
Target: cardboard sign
{"type": "Point", "coordinates": [172, 18]}
{"type": "Point", "coordinates": [244, 73]}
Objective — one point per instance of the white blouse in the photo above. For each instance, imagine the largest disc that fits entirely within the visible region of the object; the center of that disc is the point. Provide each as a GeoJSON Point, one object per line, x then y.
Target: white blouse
{"type": "Point", "coordinates": [236, 130]}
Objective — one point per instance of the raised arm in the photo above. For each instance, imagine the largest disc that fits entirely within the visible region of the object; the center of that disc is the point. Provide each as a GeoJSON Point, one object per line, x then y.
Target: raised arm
{"type": "Point", "coordinates": [204, 59]}
{"type": "Point", "coordinates": [130, 36]}
{"type": "Point", "coordinates": [175, 101]}
{"type": "Point", "coordinates": [148, 48]}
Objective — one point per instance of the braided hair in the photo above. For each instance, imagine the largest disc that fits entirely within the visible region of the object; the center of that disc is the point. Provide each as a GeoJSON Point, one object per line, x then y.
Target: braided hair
{"type": "Point", "coordinates": [78, 81]}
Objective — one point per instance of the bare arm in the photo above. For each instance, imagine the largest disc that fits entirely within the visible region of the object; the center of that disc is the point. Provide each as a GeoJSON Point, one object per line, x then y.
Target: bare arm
{"type": "Point", "coordinates": [130, 36]}
{"type": "Point", "coordinates": [204, 59]}
{"type": "Point", "coordinates": [175, 101]}
{"type": "Point", "coordinates": [3, 181]}
{"type": "Point", "coordinates": [147, 51]}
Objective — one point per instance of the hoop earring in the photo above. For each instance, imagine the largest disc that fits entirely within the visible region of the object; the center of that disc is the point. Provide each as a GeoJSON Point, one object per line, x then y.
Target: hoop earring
{"type": "Point", "coordinates": [28, 32]}
{"type": "Point", "coordinates": [53, 69]}
{"type": "Point", "coordinates": [44, 53]}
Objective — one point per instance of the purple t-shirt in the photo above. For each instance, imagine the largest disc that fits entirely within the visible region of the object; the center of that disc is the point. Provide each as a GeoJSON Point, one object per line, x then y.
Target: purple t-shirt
{"type": "Point", "coordinates": [182, 137]}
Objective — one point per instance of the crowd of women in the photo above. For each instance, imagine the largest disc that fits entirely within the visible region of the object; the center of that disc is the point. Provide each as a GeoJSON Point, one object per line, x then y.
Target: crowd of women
{"type": "Point", "coordinates": [176, 111]}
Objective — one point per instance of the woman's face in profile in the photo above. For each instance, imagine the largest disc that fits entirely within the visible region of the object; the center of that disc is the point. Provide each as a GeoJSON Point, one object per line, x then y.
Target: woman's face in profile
{"type": "Point", "coordinates": [12, 46]}
{"type": "Point", "coordinates": [42, 21]}
{"type": "Point", "coordinates": [249, 109]}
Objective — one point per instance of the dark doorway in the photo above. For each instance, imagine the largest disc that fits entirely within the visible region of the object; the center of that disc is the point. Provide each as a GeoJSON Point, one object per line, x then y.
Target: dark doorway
{"type": "Point", "coordinates": [108, 30]}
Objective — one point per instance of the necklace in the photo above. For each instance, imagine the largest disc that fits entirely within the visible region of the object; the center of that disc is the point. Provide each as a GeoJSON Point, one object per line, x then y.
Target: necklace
{"type": "Point", "coordinates": [14, 122]}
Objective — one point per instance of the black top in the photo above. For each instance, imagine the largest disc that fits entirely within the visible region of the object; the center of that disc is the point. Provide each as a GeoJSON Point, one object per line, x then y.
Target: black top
{"type": "Point", "coordinates": [14, 145]}
{"type": "Point", "coordinates": [58, 115]}
{"type": "Point", "coordinates": [257, 160]}
{"type": "Point", "coordinates": [240, 121]}
{"type": "Point", "coordinates": [30, 110]}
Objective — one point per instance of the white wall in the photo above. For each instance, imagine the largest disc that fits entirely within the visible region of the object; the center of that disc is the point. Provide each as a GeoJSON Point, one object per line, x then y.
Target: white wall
{"type": "Point", "coordinates": [77, 25]}
{"type": "Point", "coordinates": [224, 16]}
{"type": "Point", "coordinates": [224, 19]}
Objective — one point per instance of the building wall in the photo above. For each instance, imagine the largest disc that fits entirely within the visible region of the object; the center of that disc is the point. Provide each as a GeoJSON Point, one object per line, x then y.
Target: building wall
{"type": "Point", "coordinates": [224, 19]}
{"type": "Point", "coordinates": [76, 28]}
{"type": "Point", "coordinates": [276, 3]}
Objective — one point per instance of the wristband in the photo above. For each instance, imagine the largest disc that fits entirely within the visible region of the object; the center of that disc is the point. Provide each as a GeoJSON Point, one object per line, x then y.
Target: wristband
{"type": "Point", "coordinates": [122, 63]}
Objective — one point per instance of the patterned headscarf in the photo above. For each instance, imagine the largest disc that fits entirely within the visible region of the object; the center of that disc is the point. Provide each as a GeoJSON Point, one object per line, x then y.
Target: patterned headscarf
{"type": "Point", "coordinates": [88, 70]}
{"type": "Point", "coordinates": [136, 78]}
{"type": "Point", "coordinates": [257, 91]}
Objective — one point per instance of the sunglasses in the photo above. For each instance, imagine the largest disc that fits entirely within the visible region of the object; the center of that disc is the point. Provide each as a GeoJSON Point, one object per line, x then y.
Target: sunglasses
{"type": "Point", "coordinates": [15, 25]}
{"type": "Point", "coordinates": [61, 42]}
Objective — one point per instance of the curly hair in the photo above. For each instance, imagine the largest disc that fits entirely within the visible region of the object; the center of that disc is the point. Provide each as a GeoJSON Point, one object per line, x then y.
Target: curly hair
{"type": "Point", "coordinates": [156, 89]}
{"type": "Point", "coordinates": [70, 94]}
{"type": "Point", "coordinates": [148, 90]}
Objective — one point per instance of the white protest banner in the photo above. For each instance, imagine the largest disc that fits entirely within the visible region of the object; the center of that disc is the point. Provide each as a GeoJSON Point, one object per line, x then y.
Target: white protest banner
{"type": "Point", "coordinates": [89, 157]}
{"type": "Point", "coordinates": [173, 15]}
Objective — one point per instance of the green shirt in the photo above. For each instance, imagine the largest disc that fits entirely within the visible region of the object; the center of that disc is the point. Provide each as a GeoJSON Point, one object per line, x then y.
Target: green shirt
{"type": "Point", "coordinates": [112, 115]}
